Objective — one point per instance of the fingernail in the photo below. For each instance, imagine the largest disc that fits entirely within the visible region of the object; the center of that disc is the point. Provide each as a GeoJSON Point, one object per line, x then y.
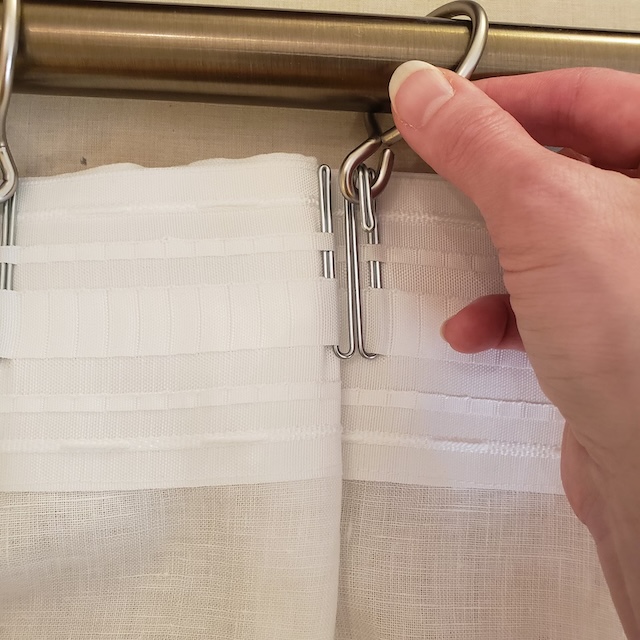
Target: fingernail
{"type": "Point", "coordinates": [417, 90]}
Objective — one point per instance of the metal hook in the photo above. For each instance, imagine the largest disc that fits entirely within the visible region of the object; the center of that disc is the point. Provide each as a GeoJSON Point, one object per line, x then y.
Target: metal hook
{"type": "Point", "coordinates": [354, 301]}
{"type": "Point", "coordinates": [328, 257]}
{"type": "Point", "coordinates": [367, 218]}
{"type": "Point", "coordinates": [8, 54]}
{"type": "Point", "coordinates": [368, 223]}
{"type": "Point", "coordinates": [353, 286]}
{"type": "Point", "coordinates": [470, 60]}
{"type": "Point", "coordinates": [373, 238]}
{"type": "Point", "coordinates": [353, 256]}
{"type": "Point", "coordinates": [326, 225]}
{"type": "Point", "coordinates": [359, 156]}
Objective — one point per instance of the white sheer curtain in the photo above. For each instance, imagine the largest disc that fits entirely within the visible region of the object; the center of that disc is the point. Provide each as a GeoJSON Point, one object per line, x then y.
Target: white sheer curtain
{"type": "Point", "coordinates": [170, 434]}
{"type": "Point", "coordinates": [182, 455]}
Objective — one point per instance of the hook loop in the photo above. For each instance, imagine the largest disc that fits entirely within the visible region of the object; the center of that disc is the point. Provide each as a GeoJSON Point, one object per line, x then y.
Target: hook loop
{"type": "Point", "coordinates": [362, 153]}
{"type": "Point", "coordinates": [8, 54]}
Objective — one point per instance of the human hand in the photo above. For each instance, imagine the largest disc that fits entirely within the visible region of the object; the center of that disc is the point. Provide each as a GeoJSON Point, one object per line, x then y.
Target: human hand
{"type": "Point", "coordinates": [568, 239]}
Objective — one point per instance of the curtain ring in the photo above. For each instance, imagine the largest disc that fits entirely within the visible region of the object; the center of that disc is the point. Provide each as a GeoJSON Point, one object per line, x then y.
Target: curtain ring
{"type": "Point", "coordinates": [470, 60]}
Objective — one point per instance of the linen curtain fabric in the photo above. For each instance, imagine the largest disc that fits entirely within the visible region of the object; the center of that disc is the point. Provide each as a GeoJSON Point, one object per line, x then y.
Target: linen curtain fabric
{"type": "Point", "coordinates": [170, 434]}
{"type": "Point", "coordinates": [182, 455]}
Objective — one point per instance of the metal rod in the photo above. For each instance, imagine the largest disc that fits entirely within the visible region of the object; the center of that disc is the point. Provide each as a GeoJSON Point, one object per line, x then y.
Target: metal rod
{"type": "Point", "coordinates": [303, 59]}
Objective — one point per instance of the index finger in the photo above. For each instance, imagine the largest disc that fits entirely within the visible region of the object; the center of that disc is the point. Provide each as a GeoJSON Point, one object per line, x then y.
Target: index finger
{"type": "Point", "coordinates": [590, 110]}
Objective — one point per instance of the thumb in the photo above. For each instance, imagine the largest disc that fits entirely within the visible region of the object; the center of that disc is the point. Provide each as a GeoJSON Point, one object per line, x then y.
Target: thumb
{"type": "Point", "coordinates": [471, 141]}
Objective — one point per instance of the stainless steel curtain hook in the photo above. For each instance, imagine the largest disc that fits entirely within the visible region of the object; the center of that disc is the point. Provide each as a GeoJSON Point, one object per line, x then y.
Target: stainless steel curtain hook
{"type": "Point", "coordinates": [384, 140]}
{"type": "Point", "coordinates": [353, 284]}
{"type": "Point", "coordinates": [328, 256]}
{"type": "Point", "coordinates": [355, 298]}
{"type": "Point", "coordinates": [373, 238]}
{"type": "Point", "coordinates": [368, 223]}
{"type": "Point", "coordinates": [326, 224]}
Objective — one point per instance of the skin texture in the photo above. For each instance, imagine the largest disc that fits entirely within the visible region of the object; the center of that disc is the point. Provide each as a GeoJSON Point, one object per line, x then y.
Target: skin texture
{"type": "Point", "coordinates": [567, 230]}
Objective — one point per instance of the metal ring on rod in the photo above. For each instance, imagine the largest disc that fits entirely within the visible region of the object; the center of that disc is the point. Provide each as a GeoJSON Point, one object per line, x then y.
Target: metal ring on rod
{"type": "Point", "coordinates": [470, 60]}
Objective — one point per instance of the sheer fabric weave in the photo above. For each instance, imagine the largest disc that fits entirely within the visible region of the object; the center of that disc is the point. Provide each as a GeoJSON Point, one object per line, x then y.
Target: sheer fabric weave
{"type": "Point", "coordinates": [182, 456]}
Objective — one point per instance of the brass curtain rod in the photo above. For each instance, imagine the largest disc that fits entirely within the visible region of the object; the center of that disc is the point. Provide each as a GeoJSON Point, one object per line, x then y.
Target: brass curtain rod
{"type": "Point", "coordinates": [303, 59]}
